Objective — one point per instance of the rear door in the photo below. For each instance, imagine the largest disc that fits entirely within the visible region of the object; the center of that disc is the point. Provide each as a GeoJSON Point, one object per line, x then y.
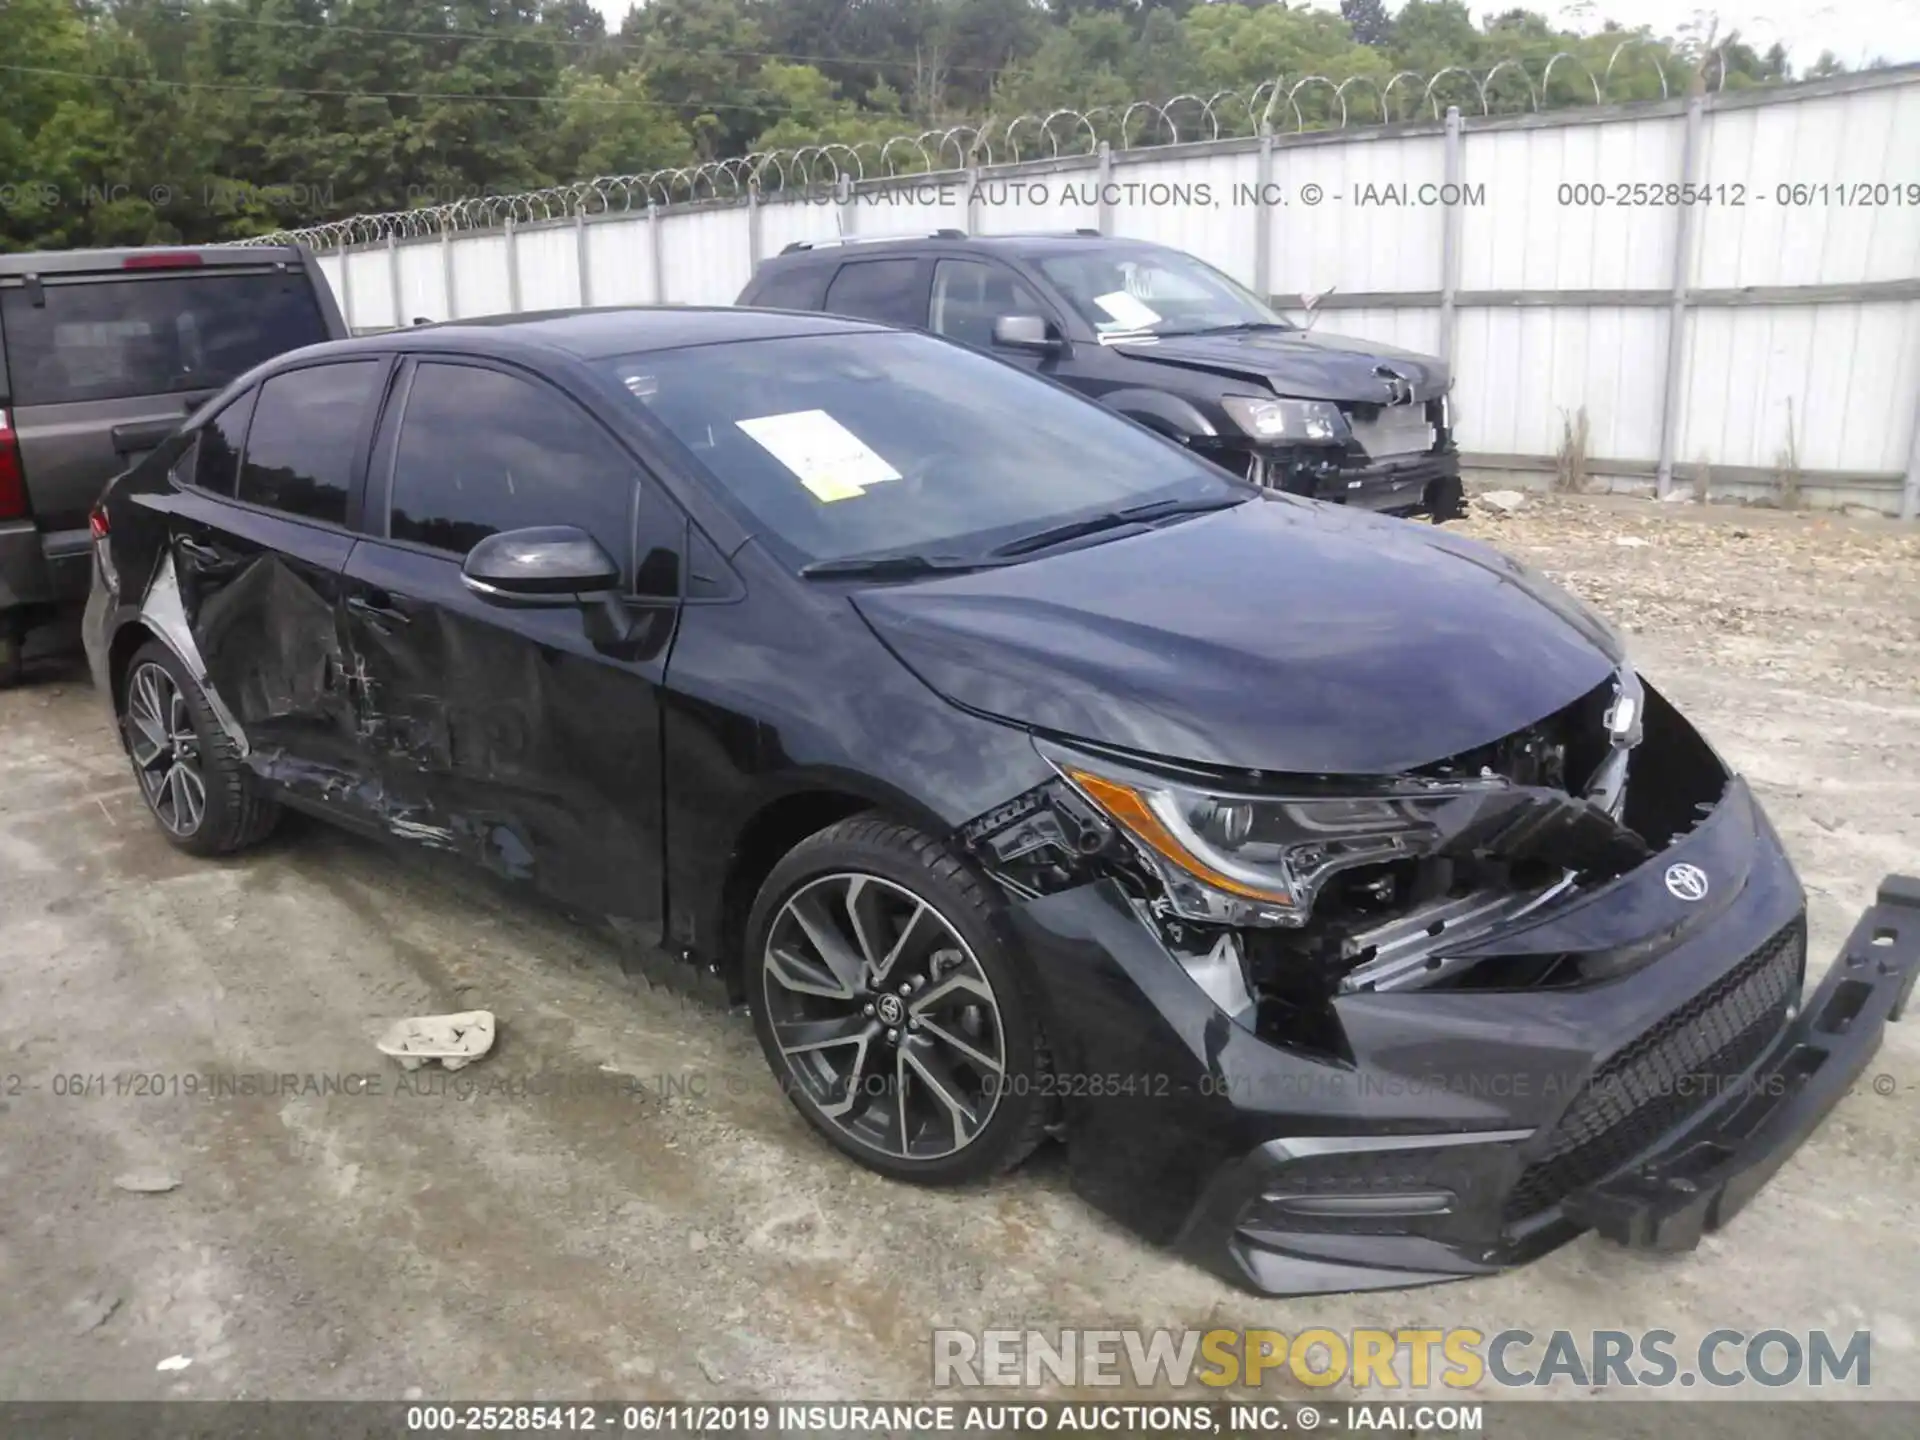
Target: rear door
{"type": "Point", "coordinates": [259, 539]}
{"type": "Point", "coordinates": [516, 737]}
{"type": "Point", "coordinates": [105, 364]}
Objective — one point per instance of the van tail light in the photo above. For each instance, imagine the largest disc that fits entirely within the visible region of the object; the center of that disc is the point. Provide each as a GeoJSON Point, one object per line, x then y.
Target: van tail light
{"type": "Point", "coordinates": [13, 480]}
{"type": "Point", "coordinates": [97, 525]}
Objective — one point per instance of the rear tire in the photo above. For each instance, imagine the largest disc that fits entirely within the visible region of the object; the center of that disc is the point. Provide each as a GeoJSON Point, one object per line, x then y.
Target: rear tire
{"type": "Point", "coordinates": [189, 771]}
{"type": "Point", "coordinates": [889, 1007]}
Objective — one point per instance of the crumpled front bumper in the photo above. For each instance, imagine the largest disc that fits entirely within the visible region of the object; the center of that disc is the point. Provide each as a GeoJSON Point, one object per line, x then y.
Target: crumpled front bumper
{"type": "Point", "coordinates": [1698, 1179]}
{"type": "Point", "coordinates": [1416, 484]}
{"type": "Point", "coordinates": [1435, 1134]}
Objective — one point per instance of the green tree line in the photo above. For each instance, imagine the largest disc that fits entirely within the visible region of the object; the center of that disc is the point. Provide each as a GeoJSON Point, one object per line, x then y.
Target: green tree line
{"type": "Point", "coordinates": [144, 121]}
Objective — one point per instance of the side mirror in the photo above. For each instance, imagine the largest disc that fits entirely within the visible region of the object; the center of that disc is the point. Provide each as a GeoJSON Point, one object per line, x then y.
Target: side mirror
{"type": "Point", "coordinates": [1024, 332]}
{"type": "Point", "coordinates": [544, 565]}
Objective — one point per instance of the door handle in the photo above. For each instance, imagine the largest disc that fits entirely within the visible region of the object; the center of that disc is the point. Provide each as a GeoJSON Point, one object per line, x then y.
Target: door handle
{"type": "Point", "coordinates": [374, 613]}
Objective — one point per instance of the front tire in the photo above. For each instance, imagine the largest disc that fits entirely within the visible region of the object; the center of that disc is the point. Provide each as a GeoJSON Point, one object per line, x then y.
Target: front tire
{"type": "Point", "coordinates": [189, 771]}
{"type": "Point", "coordinates": [889, 1008]}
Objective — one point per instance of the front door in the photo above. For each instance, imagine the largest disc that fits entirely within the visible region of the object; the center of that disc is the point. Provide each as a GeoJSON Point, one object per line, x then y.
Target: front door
{"type": "Point", "coordinates": [519, 738]}
{"type": "Point", "coordinates": [258, 537]}
{"type": "Point", "coordinates": [969, 295]}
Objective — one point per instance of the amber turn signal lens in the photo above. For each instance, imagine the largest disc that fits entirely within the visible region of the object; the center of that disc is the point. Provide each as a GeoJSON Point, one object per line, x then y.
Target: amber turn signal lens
{"type": "Point", "coordinates": [1126, 805]}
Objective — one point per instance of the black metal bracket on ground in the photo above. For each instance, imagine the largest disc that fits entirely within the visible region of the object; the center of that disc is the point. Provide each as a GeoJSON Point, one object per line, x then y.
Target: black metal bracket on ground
{"type": "Point", "coordinates": [1700, 1178]}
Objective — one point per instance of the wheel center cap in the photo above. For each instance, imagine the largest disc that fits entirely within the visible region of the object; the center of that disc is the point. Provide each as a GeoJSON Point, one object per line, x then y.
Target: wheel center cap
{"type": "Point", "coordinates": [891, 1009]}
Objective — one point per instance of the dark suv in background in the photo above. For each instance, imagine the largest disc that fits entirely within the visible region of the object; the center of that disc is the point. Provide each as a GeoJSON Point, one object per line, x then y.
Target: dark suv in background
{"type": "Point", "coordinates": [103, 354]}
{"type": "Point", "coordinates": [1166, 340]}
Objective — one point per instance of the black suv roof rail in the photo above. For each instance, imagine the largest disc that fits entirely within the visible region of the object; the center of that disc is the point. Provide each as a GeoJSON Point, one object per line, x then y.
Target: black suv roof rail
{"type": "Point", "coordinates": [945, 233]}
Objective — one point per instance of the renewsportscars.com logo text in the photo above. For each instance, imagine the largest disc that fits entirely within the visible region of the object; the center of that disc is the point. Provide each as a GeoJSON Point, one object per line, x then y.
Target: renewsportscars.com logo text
{"type": "Point", "coordinates": [1405, 1359]}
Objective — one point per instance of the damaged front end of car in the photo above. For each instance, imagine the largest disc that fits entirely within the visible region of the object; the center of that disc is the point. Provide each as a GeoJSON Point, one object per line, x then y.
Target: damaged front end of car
{"type": "Point", "coordinates": [1336, 1032]}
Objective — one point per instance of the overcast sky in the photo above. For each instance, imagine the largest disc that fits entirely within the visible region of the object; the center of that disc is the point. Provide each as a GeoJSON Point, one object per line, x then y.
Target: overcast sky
{"type": "Point", "coordinates": [1855, 30]}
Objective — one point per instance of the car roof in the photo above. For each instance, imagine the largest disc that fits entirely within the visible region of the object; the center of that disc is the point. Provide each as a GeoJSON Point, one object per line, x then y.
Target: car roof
{"type": "Point", "coordinates": [140, 258]}
{"type": "Point", "coordinates": [1041, 241]}
{"type": "Point", "coordinates": [596, 333]}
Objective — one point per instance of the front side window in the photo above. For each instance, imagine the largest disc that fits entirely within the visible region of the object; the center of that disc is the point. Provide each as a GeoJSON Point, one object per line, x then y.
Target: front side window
{"type": "Point", "coordinates": [1139, 289]}
{"type": "Point", "coordinates": [851, 444]}
{"type": "Point", "coordinates": [969, 295]}
{"type": "Point", "coordinates": [885, 290]}
{"type": "Point", "coordinates": [158, 335]}
{"type": "Point", "coordinates": [481, 451]}
{"type": "Point", "coordinates": [304, 437]}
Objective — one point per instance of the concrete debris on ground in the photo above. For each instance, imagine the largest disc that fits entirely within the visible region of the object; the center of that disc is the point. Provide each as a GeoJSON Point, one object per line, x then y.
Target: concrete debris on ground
{"type": "Point", "coordinates": [454, 1040]}
{"type": "Point", "coordinates": [1631, 542]}
{"type": "Point", "coordinates": [1500, 502]}
{"type": "Point", "coordinates": [147, 1182]}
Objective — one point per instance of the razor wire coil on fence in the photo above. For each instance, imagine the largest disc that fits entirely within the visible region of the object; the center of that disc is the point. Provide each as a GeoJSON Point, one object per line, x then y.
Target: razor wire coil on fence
{"type": "Point", "coordinates": [1280, 105]}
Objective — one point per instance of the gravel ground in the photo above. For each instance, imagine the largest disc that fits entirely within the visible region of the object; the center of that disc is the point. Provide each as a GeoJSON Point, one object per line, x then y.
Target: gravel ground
{"type": "Point", "coordinates": [611, 1243]}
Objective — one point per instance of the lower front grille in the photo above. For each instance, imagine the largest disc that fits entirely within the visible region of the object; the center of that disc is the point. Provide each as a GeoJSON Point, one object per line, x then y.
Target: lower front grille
{"type": "Point", "coordinates": [1686, 1061]}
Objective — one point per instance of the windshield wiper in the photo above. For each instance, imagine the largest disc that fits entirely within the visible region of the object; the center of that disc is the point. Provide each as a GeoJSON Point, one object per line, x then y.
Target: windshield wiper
{"type": "Point", "coordinates": [1236, 328]}
{"type": "Point", "coordinates": [1114, 520]}
{"type": "Point", "coordinates": [889, 566]}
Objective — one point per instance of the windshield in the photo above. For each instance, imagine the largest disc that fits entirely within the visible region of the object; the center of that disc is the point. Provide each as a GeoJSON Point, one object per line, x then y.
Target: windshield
{"type": "Point", "coordinates": [868, 443]}
{"type": "Point", "coordinates": [1141, 291]}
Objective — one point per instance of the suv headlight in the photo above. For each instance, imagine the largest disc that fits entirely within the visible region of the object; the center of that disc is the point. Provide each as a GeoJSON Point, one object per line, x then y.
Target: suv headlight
{"type": "Point", "coordinates": [1234, 858]}
{"type": "Point", "coordinates": [1304, 422]}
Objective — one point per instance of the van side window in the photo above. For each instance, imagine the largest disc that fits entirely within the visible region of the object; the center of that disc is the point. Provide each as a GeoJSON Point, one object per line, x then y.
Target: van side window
{"type": "Point", "coordinates": [969, 295]}
{"type": "Point", "coordinates": [889, 291]}
{"type": "Point", "coordinates": [797, 287]}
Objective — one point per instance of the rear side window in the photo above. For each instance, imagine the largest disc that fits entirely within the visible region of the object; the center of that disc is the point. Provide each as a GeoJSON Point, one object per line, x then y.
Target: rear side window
{"type": "Point", "coordinates": [157, 335]}
{"type": "Point", "coordinates": [797, 287]}
{"type": "Point", "coordinates": [883, 290]}
{"type": "Point", "coordinates": [306, 430]}
{"type": "Point", "coordinates": [217, 468]}
{"type": "Point", "coordinates": [481, 451]}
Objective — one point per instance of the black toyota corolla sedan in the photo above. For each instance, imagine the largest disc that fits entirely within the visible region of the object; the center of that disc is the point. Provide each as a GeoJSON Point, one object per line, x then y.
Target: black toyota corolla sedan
{"type": "Point", "coordinates": [1330, 885]}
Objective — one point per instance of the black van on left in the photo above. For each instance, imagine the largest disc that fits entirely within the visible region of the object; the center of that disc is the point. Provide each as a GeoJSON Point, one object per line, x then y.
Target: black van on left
{"type": "Point", "coordinates": [1333, 887]}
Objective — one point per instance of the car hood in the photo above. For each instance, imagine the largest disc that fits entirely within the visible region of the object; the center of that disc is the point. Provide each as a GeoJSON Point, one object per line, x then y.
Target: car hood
{"type": "Point", "coordinates": [1281, 635]}
{"type": "Point", "coordinates": [1293, 362]}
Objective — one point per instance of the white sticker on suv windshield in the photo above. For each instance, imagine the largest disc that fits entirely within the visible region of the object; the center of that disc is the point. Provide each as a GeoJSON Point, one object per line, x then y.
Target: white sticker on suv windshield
{"type": "Point", "coordinates": [831, 461]}
{"type": "Point", "coordinates": [1128, 311]}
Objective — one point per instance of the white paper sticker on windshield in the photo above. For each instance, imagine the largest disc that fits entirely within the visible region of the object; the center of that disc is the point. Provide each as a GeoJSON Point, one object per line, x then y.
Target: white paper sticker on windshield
{"type": "Point", "coordinates": [831, 461]}
{"type": "Point", "coordinates": [1128, 311]}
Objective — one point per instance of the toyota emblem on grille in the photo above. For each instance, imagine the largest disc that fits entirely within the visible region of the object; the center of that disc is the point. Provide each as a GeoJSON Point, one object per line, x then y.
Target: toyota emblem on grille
{"type": "Point", "coordinates": [1687, 882]}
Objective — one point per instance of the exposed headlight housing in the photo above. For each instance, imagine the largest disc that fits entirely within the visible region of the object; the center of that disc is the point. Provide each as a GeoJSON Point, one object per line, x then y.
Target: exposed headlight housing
{"type": "Point", "coordinates": [1235, 858]}
{"type": "Point", "coordinates": [1301, 422]}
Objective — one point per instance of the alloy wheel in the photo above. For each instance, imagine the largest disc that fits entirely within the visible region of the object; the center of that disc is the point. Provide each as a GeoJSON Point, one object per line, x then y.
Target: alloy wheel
{"type": "Point", "coordinates": [165, 750]}
{"type": "Point", "coordinates": [884, 1016]}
